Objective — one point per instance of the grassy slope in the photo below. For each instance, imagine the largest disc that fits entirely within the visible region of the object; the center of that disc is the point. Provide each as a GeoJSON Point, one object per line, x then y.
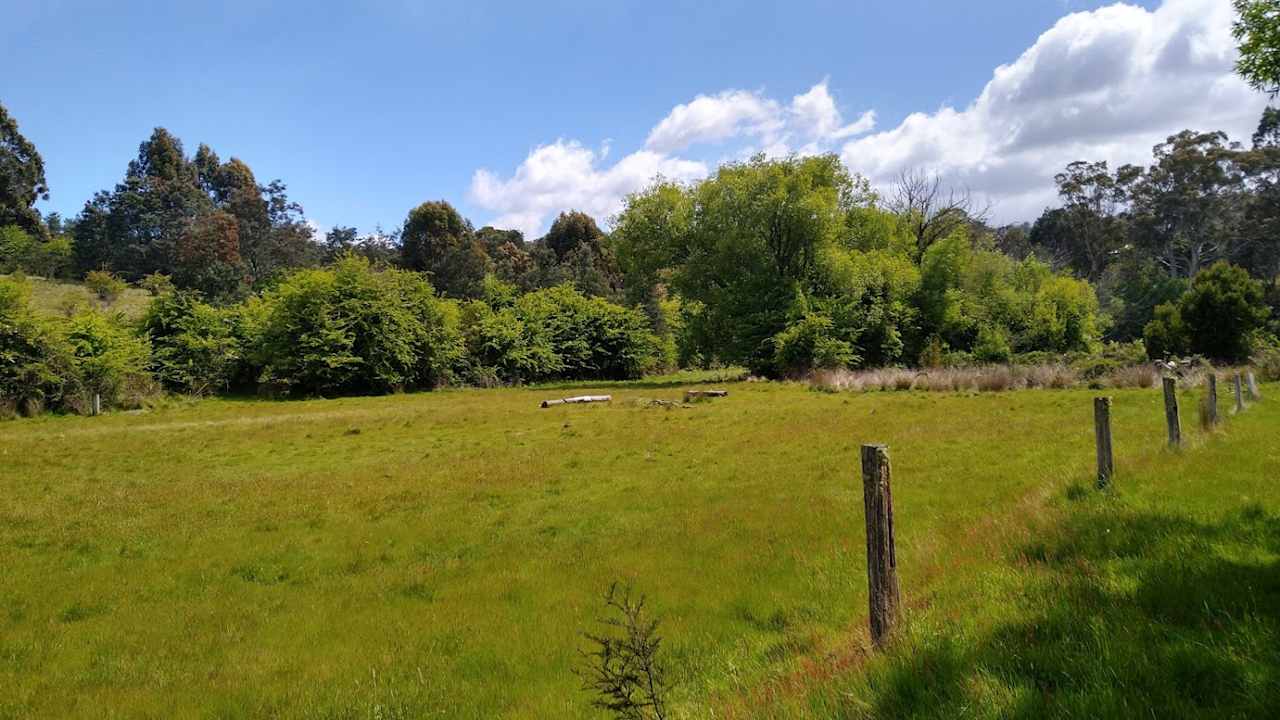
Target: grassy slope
{"type": "Point", "coordinates": [439, 553]}
{"type": "Point", "coordinates": [1160, 598]}
{"type": "Point", "coordinates": [51, 297]}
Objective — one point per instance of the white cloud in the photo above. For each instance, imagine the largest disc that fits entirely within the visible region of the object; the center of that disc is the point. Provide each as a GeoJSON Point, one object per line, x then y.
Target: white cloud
{"type": "Point", "coordinates": [714, 119]}
{"type": "Point", "coordinates": [565, 175]}
{"type": "Point", "coordinates": [1102, 85]}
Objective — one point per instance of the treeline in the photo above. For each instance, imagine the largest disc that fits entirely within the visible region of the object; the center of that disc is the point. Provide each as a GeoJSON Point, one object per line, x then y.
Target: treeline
{"type": "Point", "coordinates": [782, 266]}
{"type": "Point", "coordinates": [347, 328]}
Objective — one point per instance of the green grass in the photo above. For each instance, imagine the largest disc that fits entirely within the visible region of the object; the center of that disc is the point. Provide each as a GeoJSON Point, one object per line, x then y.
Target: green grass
{"type": "Point", "coordinates": [438, 554]}
{"type": "Point", "coordinates": [1159, 598]}
{"type": "Point", "coordinates": [54, 297]}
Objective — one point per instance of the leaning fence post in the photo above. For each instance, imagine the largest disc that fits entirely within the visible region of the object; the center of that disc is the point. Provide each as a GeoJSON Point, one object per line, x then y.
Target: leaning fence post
{"type": "Point", "coordinates": [1239, 390]}
{"type": "Point", "coordinates": [1211, 402]}
{"type": "Point", "coordinates": [882, 563]}
{"type": "Point", "coordinates": [1171, 411]}
{"type": "Point", "coordinates": [1102, 434]}
{"type": "Point", "coordinates": [1253, 387]}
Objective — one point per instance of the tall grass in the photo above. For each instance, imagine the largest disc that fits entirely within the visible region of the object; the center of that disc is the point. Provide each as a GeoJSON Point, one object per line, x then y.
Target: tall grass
{"type": "Point", "coordinates": [996, 378]}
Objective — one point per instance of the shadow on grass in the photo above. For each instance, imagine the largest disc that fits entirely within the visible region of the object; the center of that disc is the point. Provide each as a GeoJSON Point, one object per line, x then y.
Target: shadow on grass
{"type": "Point", "coordinates": [1122, 614]}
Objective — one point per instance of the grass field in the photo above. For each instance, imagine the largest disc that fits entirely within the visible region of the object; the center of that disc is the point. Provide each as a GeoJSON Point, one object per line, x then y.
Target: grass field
{"type": "Point", "coordinates": [55, 297]}
{"type": "Point", "coordinates": [438, 555]}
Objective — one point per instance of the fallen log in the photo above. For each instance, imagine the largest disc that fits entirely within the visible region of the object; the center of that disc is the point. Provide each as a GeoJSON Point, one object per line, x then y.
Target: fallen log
{"type": "Point", "coordinates": [579, 399]}
{"type": "Point", "coordinates": [694, 394]}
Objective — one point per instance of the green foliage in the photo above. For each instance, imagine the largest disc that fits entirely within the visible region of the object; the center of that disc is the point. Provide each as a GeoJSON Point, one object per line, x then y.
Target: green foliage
{"type": "Point", "coordinates": [1222, 312]}
{"type": "Point", "coordinates": [157, 284]}
{"type": "Point", "coordinates": [810, 343]}
{"type": "Point", "coordinates": [1257, 29]}
{"type": "Point", "coordinates": [105, 285]}
{"type": "Point", "coordinates": [22, 180]}
{"type": "Point", "coordinates": [23, 251]}
{"type": "Point", "coordinates": [108, 359]}
{"type": "Point", "coordinates": [992, 345]}
{"type": "Point", "coordinates": [33, 363]}
{"type": "Point", "coordinates": [351, 329]}
{"type": "Point", "coordinates": [437, 240]}
{"type": "Point", "coordinates": [194, 347]}
{"type": "Point", "coordinates": [1166, 335]}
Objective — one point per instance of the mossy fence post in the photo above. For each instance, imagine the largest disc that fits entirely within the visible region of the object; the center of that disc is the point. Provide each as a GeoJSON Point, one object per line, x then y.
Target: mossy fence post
{"type": "Point", "coordinates": [1211, 402]}
{"type": "Point", "coordinates": [1237, 386]}
{"type": "Point", "coordinates": [882, 562]}
{"type": "Point", "coordinates": [1102, 436]}
{"type": "Point", "coordinates": [1253, 387]}
{"type": "Point", "coordinates": [1171, 412]}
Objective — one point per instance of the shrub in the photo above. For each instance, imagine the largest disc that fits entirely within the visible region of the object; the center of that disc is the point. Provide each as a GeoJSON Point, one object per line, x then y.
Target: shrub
{"type": "Point", "coordinates": [809, 343]}
{"type": "Point", "coordinates": [1166, 335]}
{"type": "Point", "coordinates": [992, 345]}
{"type": "Point", "coordinates": [33, 361]}
{"type": "Point", "coordinates": [157, 284]}
{"type": "Point", "coordinates": [1222, 311]}
{"type": "Point", "coordinates": [569, 335]}
{"type": "Point", "coordinates": [194, 349]}
{"type": "Point", "coordinates": [107, 359]}
{"type": "Point", "coordinates": [351, 329]}
{"type": "Point", "coordinates": [106, 286]}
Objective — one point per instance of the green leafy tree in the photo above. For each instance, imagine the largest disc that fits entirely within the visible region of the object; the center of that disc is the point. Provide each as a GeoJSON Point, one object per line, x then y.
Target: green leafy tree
{"type": "Point", "coordinates": [1222, 311]}
{"type": "Point", "coordinates": [437, 240]}
{"type": "Point", "coordinates": [22, 180]}
{"type": "Point", "coordinates": [1257, 30]}
{"type": "Point", "coordinates": [753, 235]}
{"type": "Point", "coordinates": [134, 229]}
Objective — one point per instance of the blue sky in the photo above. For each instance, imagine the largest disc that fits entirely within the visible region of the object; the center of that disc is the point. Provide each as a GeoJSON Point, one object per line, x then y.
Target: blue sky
{"type": "Point", "coordinates": [513, 111]}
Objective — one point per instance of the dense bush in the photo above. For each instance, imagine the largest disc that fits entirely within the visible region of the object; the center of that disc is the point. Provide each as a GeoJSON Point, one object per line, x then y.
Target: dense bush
{"type": "Point", "coordinates": [194, 348]}
{"type": "Point", "coordinates": [351, 329]}
{"type": "Point", "coordinates": [1218, 317]}
{"type": "Point", "coordinates": [61, 365]}
{"type": "Point", "coordinates": [556, 333]}
{"type": "Point", "coordinates": [105, 285]}
{"type": "Point", "coordinates": [33, 363]}
{"type": "Point", "coordinates": [108, 359]}
{"type": "Point", "coordinates": [23, 252]}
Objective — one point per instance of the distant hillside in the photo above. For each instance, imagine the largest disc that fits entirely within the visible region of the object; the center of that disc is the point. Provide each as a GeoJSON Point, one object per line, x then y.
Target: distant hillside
{"type": "Point", "coordinates": [55, 297]}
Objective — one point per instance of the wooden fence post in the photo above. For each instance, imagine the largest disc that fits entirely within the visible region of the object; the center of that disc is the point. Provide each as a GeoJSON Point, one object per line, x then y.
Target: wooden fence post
{"type": "Point", "coordinates": [882, 563]}
{"type": "Point", "coordinates": [1239, 390]}
{"type": "Point", "coordinates": [1171, 411]}
{"type": "Point", "coordinates": [1102, 434]}
{"type": "Point", "coordinates": [1253, 387]}
{"type": "Point", "coordinates": [97, 405]}
{"type": "Point", "coordinates": [1211, 402]}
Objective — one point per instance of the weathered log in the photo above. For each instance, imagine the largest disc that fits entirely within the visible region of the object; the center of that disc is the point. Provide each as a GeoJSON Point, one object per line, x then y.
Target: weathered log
{"type": "Point", "coordinates": [882, 561]}
{"type": "Point", "coordinates": [1171, 411]}
{"type": "Point", "coordinates": [694, 394]}
{"type": "Point", "coordinates": [579, 399]}
{"type": "Point", "coordinates": [1102, 434]}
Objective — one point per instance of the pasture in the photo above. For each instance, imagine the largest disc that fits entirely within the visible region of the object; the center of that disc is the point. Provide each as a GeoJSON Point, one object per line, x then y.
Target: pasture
{"type": "Point", "coordinates": [439, 554]}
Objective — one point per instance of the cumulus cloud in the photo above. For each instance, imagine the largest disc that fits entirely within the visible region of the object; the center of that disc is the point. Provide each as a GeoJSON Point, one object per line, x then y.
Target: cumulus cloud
{"type": "Point", "coordinates": [1101, 85]}
{"type": "Point", "coordinates": [565, 175]}
{"type": "Point", "coordinates": [1107, 84]}
{"type": "Point", "coordinates": [716, 118]}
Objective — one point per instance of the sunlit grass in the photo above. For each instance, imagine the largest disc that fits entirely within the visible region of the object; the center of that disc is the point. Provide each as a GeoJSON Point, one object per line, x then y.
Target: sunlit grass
{"type": "Point", "coordinates": [57, 298]}
{"type": "Point", "coordinates": [438, 554]}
